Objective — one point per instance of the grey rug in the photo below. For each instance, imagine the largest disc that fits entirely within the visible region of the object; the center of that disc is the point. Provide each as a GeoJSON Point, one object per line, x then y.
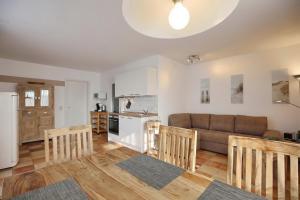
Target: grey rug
{"type": "Point", "coordinates": [65, 190]}
{"type": "Point", "coordinates": [221, 191]}
{"type": "Point", "coordinates": [155, 173]}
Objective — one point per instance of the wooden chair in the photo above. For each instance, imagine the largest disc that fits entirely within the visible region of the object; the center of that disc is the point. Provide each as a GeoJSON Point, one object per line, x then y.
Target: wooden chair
{"type": "Point", "coordinates": [68, 143]}
{"type": "Point", "coordinates": [177, 146]}
{"type": "Point", "coordinates": [152, 129]}
{"type": "Point", "coordinates": [256, 157]}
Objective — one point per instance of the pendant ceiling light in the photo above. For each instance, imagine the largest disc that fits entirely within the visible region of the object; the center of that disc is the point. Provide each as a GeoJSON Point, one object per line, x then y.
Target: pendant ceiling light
{"type": "Point", "coordinates": [170, 19]}
{"type": "Point", "coordinates": [179, 16]}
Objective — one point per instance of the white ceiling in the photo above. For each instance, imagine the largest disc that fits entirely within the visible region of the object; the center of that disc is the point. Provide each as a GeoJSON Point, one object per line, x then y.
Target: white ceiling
{"type": "Point", "coordinates": [93, 35]}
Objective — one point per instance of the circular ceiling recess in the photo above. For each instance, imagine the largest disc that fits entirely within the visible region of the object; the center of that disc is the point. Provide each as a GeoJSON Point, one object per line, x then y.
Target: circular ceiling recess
{"type": "Point", "coordinates": [151, 17]}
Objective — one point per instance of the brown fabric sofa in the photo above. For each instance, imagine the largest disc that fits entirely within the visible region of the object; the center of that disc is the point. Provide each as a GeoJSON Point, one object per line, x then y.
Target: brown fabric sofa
{"type": "Point", "coordinates": [213, 130]}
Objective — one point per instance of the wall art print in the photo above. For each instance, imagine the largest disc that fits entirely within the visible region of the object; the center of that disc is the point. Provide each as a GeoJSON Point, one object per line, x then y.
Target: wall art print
{"type": "Point", "coordinates": [237, 89]}
{"type": "Point", "coordinates": [205, 91]}
{"type": "Point", "coordinates": [280, 86]}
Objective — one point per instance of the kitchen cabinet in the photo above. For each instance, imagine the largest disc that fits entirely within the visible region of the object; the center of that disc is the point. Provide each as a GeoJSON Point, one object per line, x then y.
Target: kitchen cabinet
{"type": "Point", "coordinates": [132, 132]}
{"type": "Point", "coordinates": [139, 82]}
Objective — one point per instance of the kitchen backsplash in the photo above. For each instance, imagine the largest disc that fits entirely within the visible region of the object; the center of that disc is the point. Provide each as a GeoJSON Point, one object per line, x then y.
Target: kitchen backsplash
{"type": "Point", "coordinates": [138, 104]}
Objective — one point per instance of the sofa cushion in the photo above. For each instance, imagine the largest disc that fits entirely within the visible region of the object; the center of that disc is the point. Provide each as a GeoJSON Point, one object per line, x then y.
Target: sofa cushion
{"type": "Point", "coordinates": [182, 120]}
{"type": "Point", "coordinates": [251, 125]}
{"type": "Point", "coordinates": [213, 136]}
{"type": "Point", "coordinates": [222, 123]}
{"type": "Point", "coordinates": [217, 136]}
{"type": "Point", "coordinates": [200, 121]}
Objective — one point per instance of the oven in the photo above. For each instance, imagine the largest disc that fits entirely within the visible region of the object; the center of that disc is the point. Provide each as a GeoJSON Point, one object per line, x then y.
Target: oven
{"type": "Point", "coordinates": [114, 124]}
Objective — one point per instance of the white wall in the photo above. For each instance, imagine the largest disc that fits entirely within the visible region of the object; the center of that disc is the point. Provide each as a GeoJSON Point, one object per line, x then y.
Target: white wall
{"type": "Point", "coordinates": [32, 70]}
{"type": "Point", "coordinates": [257, 69]}
{"type": "Point", "coordinates": [8, 87]}
{"type": "Point", "coordinates": [171, 88]}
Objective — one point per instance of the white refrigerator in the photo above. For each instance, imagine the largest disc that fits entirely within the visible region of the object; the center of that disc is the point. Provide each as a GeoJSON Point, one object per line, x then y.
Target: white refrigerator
{"type": "Point", "coordinates": [9, 148]}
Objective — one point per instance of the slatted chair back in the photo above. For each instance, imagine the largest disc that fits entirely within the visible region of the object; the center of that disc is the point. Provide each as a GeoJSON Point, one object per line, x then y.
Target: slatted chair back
{"type": "Point", "coordinates": [68, 143]}
{"type": "Point", "coordinates": [177, 146]}
{"type": "Point", "coordinates": [254, 163]}
{"type": "Point", "coordinates": [152, 129]}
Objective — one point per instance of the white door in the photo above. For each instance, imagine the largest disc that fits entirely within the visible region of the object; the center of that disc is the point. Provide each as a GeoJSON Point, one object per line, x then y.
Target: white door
{"type": "Point", "coordinates": [76, 103]}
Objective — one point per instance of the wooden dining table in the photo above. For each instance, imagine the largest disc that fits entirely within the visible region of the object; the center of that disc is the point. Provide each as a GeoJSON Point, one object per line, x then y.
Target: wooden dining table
{"type": "Point", "coordinates": [100, 178]}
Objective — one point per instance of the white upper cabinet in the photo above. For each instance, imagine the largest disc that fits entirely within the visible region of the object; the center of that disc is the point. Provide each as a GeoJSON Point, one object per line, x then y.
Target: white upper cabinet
{"type": "Point", "coordinates": [137, 82]}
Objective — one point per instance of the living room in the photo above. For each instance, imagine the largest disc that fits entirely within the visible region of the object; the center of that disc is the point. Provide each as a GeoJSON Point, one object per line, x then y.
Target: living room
{"type": "Point", "coordinates": [90, 106]}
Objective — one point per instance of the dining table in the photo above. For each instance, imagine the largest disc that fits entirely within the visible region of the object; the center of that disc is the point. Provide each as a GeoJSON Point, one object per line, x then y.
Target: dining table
{"type": "Point", "coordinates": [100, 178]}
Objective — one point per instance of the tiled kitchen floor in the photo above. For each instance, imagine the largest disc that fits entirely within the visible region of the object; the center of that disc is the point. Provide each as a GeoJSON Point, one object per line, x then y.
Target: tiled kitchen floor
{"type": "Point", "coordinates": [32, 157]}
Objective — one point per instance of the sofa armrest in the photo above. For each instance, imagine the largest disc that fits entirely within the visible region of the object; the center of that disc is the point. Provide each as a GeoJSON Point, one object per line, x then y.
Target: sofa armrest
{"type": "Point", "coordinates": [273, 135]}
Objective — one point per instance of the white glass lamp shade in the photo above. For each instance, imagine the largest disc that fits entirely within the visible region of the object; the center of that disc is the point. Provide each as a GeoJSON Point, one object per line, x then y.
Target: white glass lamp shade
{"type": "Point", "coordinates": [164, 19]}
{"type": "Point", "coordinates": [179, 16]}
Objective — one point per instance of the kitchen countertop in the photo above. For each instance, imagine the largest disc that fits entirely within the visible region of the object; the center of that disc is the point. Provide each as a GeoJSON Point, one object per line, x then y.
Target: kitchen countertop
{"type": "Point", "coordinates": [135, 114]}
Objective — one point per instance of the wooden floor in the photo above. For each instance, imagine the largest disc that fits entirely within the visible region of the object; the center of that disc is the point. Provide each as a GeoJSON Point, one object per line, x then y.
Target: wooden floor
{"type": "Point", "coordinates": [32, 157]}
{"type": "Point", "coordinates": [100, 178]}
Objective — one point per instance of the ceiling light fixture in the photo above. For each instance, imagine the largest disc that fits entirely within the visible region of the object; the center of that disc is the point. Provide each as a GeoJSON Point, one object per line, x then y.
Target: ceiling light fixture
{"type": "Point", "coordinates": [193, 59]}
{"type": "Point", "coordinates": [179, 16]}
{"type": "Point", "coordinates": [176, 18]}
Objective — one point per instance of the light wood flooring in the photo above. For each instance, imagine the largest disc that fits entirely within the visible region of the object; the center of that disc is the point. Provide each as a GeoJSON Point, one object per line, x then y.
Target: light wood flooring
{"type": "Point", "coordinates": [32, 157]}
{"type": "Point", "coordinates": [100, 178]}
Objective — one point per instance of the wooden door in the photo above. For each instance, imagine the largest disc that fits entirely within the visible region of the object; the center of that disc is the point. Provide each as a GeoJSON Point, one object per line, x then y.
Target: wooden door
{"type": "Point", "coordinates": [36, 104]}
{"type": "Point", "coordinates": [45, 104]}
{"type": "Point", "coordinates": [28, 114]}
{"type": "Point", "coordinates": [46, 121]}
{"type": "Point", "coordinates": [28, 125]}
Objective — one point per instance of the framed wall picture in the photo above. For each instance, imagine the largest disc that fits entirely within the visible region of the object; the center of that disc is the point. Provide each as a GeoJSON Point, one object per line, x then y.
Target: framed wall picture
{"type": "Point", "coordinates": [237, 89]}
{"type": "Point", "coordinates": [280, 86]}
{"type": "Point", "coordinates": [205, 91]}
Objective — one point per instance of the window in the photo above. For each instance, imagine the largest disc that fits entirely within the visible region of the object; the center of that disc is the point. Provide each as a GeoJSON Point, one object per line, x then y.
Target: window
{"type": "Point", "coordinates": [44, 98]}
{"type": "Point", "coordinates": [29, 98]}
